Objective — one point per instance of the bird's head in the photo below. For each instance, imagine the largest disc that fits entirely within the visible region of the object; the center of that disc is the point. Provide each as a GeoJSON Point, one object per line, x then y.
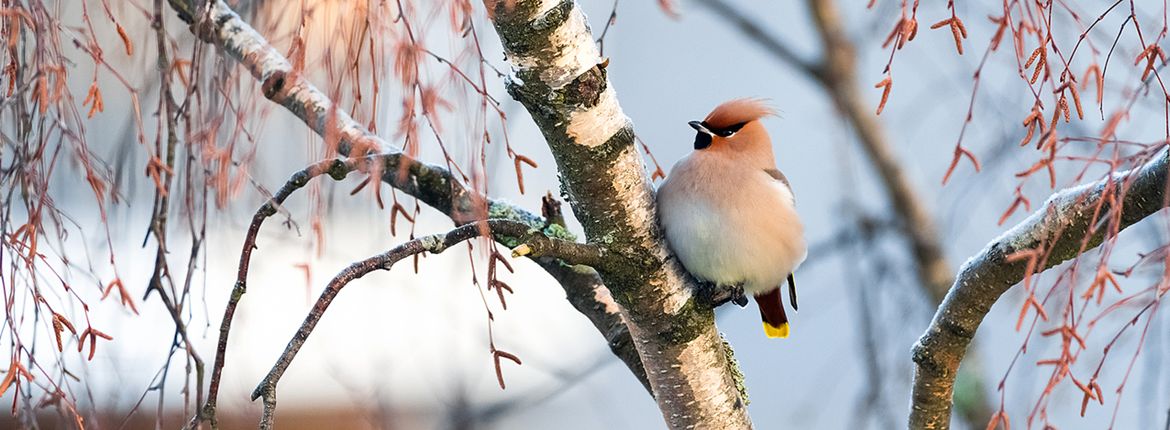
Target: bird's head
{"type": "Point", "coordinates": [733, 125]}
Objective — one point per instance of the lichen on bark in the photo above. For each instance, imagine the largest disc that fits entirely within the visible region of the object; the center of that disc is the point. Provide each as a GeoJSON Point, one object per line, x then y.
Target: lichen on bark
{"type": "Point", "coordinates": [736, 373]}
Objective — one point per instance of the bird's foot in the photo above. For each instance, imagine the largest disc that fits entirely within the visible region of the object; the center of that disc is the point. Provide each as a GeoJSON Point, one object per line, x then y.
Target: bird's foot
{"type": "Point", "coordinates": [738, 296]}
{"type": "Point", "coordinates": [717, 295]}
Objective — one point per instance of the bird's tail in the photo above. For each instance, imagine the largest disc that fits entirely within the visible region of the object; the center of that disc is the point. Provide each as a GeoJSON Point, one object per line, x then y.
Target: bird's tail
{"type": "Point", "coordinates": [772, 312]}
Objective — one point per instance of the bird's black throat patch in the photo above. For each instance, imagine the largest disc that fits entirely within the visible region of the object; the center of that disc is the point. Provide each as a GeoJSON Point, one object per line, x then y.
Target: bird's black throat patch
{"type": "Point", "coordinates": [702, 140]}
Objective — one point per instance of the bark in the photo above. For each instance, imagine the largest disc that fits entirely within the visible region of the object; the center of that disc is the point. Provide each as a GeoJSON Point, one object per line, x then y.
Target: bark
{"type": "Point", "coordinates": [559, 77]}
{"type": "Point", "coordinates": [1065, 226]}
{"type": "Point", "coordinates": [433, 185]}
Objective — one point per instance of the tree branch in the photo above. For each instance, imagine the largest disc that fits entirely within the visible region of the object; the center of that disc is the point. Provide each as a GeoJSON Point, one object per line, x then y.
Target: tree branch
{"type": "Point", "coordinates": [545, 250]}
{"type": "Point", "coordinates": [434, 244]}
{"type": "Point", "coordinates": [1064, 227]}
{"type": "Point", "coordinates": [433, 185]}
{"type": "Point", "coordinates": [550, 44]}
{"type": "Point", "coordinates": [757, 33]}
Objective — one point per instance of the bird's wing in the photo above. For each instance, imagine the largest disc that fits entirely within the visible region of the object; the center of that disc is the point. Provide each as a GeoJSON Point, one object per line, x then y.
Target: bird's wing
{"type": "Point", "coordinates": [792, 291]}
{"type": "Point", "coordinates": [779, 176]}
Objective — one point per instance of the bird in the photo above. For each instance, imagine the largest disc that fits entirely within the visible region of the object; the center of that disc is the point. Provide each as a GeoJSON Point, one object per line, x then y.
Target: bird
{"type": "Point", "coordinates": [729, 215]}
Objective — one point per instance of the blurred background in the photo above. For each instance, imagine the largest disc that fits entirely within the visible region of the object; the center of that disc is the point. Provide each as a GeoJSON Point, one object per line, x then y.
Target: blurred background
{"type": "Point", "coordinates": [408, 350]}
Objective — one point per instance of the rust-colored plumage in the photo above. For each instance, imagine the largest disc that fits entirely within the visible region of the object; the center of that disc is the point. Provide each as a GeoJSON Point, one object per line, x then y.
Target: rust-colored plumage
{"type": "Point", "coordinates": [737, 111]}
{"type": "Point", "coordinates": [737, 133]}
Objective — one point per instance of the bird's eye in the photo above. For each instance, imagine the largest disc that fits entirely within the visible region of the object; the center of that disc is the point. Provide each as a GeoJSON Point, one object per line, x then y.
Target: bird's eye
{"type": "Point", "coordinates": [729, 131]}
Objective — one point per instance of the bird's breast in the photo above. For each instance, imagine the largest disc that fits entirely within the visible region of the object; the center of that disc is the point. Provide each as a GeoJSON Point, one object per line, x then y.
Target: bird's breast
{"type": "Point", "coordinates": [731, 225]}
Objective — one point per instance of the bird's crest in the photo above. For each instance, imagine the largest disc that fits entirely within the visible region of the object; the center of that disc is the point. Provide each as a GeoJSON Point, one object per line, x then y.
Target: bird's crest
{"type": "Point", "coordinates": [737, 111]}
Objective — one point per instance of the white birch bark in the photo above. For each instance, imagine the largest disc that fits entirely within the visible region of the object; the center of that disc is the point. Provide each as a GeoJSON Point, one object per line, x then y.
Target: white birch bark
{"type": "Point", "coordinates": [561, 80]}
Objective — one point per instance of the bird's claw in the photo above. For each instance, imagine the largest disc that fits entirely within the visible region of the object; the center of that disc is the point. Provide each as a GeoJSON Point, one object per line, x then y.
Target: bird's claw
{"type": "Point", "coordinates": [738, 297]}
{"type": "Point", "coordinates": [717, 295]}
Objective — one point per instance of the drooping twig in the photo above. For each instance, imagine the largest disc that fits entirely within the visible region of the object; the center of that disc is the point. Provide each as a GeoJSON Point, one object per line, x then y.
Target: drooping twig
{"type": "Point", "coordinates": [538, 245]}
{"type": "Point", "coordinates": [1064, 227]}
{"type": "Point", "coordinates": [162, 169]}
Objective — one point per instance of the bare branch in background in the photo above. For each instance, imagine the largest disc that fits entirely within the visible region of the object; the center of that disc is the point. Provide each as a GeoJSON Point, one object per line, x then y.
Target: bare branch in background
{"type": "Point", "coordinates": [836, 74]}
{"type": "Point", "coordinates": [839, 77]}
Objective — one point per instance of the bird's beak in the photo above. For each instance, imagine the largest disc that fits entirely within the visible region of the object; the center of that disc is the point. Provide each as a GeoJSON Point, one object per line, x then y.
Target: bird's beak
{"type": "Point", "coordinates": [698, 126]}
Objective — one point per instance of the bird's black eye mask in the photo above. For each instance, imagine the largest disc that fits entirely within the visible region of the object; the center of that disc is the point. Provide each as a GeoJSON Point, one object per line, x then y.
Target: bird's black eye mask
{"type": "Point", "coordinates": [705, 132]}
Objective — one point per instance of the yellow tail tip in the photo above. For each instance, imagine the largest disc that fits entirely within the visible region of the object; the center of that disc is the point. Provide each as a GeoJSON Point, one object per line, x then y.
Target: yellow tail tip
{"type": "Point", "coordinates": [776, 332]}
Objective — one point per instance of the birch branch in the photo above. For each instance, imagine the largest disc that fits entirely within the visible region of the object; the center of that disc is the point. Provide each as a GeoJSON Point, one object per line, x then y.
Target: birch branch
{"type": "Point", "coordinates": [1064, 226]}
{"type": "Point", "coordinates": [559, 76]}
{"type": "Point", "coordinates": [433, 185]}
{"type": "Point", "coordinates": [838, 75]}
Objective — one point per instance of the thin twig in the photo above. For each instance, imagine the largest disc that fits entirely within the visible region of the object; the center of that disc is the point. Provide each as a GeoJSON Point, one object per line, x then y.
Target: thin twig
{"type": "Point", "coordinates": [336, 168]}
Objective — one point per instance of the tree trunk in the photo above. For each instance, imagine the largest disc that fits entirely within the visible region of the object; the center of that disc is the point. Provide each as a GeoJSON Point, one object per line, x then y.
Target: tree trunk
{"type": "Point", "coordinates": [560, 78]}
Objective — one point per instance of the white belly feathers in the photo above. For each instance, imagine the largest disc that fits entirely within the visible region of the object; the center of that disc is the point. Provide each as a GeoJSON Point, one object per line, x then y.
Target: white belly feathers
{"type": "Point", "coordinates": [734, 226]}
